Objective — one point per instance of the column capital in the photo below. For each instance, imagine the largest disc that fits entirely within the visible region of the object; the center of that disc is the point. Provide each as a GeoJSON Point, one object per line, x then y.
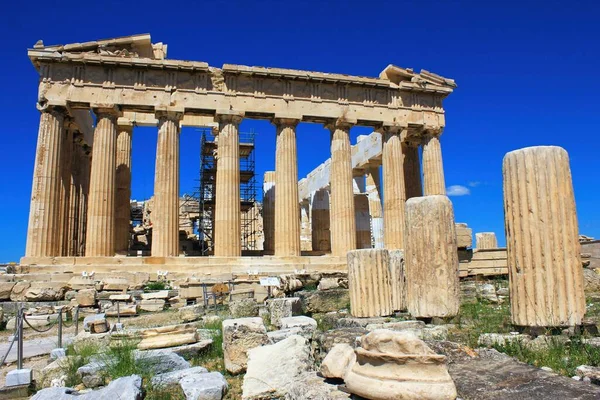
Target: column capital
{"type": "Point", "coordinates": [340, 123]}
{"type": "Point", "coordinates": [55, 109]}
{"type": "Point", "coordinates": [433, 132]}
{"type": "Point", "coordinates": [229, 116]}
{"type": "Point", "coordinates": [168, 115]}
{"type": "Point", "coordinates": [106, 110]}
{"type": "Point", "coordinates": [125, 123]}
{"type": "Point", "coordinates": [286, 121]}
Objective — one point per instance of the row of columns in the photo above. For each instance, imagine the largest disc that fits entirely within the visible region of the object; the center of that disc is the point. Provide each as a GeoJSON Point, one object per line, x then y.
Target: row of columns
{"type": "Point", "coordinates": [338, 223]}
{"type": "Point", "coordinates": [70, 211]}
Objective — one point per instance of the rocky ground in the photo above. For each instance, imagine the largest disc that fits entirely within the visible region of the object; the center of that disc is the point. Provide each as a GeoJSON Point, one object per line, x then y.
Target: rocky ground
{"type": "Point", "coordinates": [248, 350]}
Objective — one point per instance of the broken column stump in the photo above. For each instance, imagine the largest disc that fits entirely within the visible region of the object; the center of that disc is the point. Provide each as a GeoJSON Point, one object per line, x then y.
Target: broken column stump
{"type": "Point", "coordinates": [486, 240]}
{"type": "Point", "coordinates": [432, 287]}
{"type": "Point", "coordinates": [369, 283]}
{"type": "Point", "coordinates": [545, 274]}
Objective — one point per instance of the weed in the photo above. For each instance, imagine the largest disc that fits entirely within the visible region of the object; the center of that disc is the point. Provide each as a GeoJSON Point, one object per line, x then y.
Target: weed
{"type": "Point", "coordinates": [78, 356]}
{"type": "Point", "coordinates": [563, 357]}
{"type": "Point", "coordinates": [120, 360]}
{"type": "Point", "coordinates": [156, 285]}
{"type": "Point", "coordinates": [480, 317]}
{"type": "Point", "coordinates": [170, 392]}
{"type": "Point", "coordinates": [310, 287]}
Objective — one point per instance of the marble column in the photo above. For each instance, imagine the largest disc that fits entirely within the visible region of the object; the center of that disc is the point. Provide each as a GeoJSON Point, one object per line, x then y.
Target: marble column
{"type": "Point", "coordinates": [343, 224]}
{"type": "Point", "coordinates": [44, 229]}
{"type": "Point", "coordinates": [227, 240]}
{"type": "Point", "coordinates": [287, 206]}
{"type": "Point", "coordinates": [433, 169]}
{"type": "Point", "coordinates": [123, 193]}
{"type": "Point", "coordinates": [269, 211]}
{"type": "Point", "coordinates": [320, 221]}
{"type": "Point", "coordinates": [305, 226]}
{"type": "Point", "coordinates": [100, 231]}
{"type": "Point", "coordinates": [412, 170]}
{"type": "Point", "coordinates": [65, 186]}
{"type": "Point", "coordinates": [73, 208]}
{"type": "Point", "coordinates": [362, 216]}
{"type": "Point", "coordinates": [394, 198]}
{"type": "Point", "coordinates": [373, 192]}
{"type": "Point", "coordinates": [84, 191]}
{"type": "Point", "coordinates": [165, 216]}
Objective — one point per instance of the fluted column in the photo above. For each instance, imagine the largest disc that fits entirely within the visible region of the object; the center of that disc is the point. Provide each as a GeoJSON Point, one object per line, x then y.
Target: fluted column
{"type": "Point", "coordinates": [44, 224]}
{"type": "Point", "coordinates": [394, 198]}
{"type": "Point", "coordinates": [165, 215]}
{"type": "Point", "coordinates": [320, 221]}
{"type": "Point", "coordinates": [100, 232]}
{"type": "Point", "coordinates": [74, 202]}
{"type": "Point", "coordinates": [123, 178]}
{"type": "Point", "coordinates": [84, 192]}
{"type": "Point", "coordinates": [227, 208]}
{"type": "Point", "coordinates": [269, 211]}
{"type": "Point", "coordinates": [65, 185]}
{"type": "Point", "coordinates": [412, 170]}
{"type": "Point", "coordinates": [433, 168]}
{"type": "Point", "coordinates": [373, 192]}
{"type": "Point", "coordinates": [343, 224]}
{"type": "Point", "coordinates": [305, 226]}
{"type": "Point", "coordinates": [543, 252]}
{"type": "Point", "coordinates": [369, 283]}
{"type": "Point", "coordinates": [287, 206]}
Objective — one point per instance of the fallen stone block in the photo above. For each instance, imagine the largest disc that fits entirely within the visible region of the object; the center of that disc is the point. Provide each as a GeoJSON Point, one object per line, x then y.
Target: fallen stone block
{"type": "Point", "coordinates": [162, 294]}
{"type": "Point", "coordinates": [168, 340]}
{"type": "Point", "coordinates": [86, 297]}
{"type": "Point", "coordinates": [189, 351]}
{"type": "Point", "coordinates": [18, 377]}
{"type": "Point", "coordinates": [209, 386]}
{"type": "Point", "coordinates": [243, 308]}
{"type": "Point", "coordinates": [115, 284]}
{"type": "Point", "coordinates": [19, 290]}
{"type": "Point", "coordinates": [119, 297]}
{"type": "Point", "coordinates": [152, 305]}
{"type": "Point", "coordinates": [46, 291]}
{"type": "Point", "coordinates": [338, 361]}
{"type": "Point", "coordinates": [6, 289]}
{"type": "Point", "coordinates": [306, 324]}
{"type": "Point", "coordinates": [99, 326]}
{"type": "Point", "coordinates": [191, 313]}
{"type": "Point", "coordinates": [328, 283]}
{"type": "Point", "coordinates": [57, 353]}
{"type": "Point", "coordinates": [125, 310]}
{"type": "Point", "coordinates": [323, 301]}
{"type": "Point", "coordinates": [169, 378]}
{"type": "Point", "coordinates": [272, 369]}
{"type": "Point", "coordinates": [126, 388]}
{"type": "Point", "coordinates": [90, 318]}
{"type": "Point", "coordinates": [282, 308]}
{"type": "Point", "coordinates": [281, 334]}
{"type": "Point", "coordinates": [239, 336]}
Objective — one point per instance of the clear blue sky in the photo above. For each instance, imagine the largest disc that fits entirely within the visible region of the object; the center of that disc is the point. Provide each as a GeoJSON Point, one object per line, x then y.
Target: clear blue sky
{"type": "Point", "coordinates": [527, 74]}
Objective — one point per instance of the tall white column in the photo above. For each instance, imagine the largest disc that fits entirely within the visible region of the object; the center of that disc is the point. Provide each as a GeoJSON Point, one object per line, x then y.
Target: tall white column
{"type": "Point", "coordinates": [227, 234]}
{"type": "Point", "coordinates": [394, 190]}
{"type": "Point", "coordinates": [123, 178]}
{"type": "Point", "coordinates": [100, 232]}
{"type": "Point", "coordinates": [165, 219]}
{"type": "Point", "coordinates": [343, 224]}
{"type": "Point", "coordinates": [287, 207]}
{"type": "Point", "coordinates": [433, 168]}
{"type": "Point", "coordinates": [44, 224]}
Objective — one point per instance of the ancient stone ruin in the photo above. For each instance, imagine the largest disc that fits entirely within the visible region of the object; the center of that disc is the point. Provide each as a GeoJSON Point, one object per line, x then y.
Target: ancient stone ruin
{"type": "Point", "coordinates": [361, 284]}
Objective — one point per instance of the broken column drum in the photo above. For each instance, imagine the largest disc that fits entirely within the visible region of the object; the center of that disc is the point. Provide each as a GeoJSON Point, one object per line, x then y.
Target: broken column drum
{"type": "Point", "coordinates": [486, 240]}
{"type": "Point", "coordinates": [369, 283]}
{"type": "Point", "coordinates": [544, 264]}
{"type": "Point", "coordinates": [432, 286]}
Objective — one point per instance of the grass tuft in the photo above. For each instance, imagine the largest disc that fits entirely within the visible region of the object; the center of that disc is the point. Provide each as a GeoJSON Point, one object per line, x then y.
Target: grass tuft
{"type": "Point", "coordinates": [563, 357]}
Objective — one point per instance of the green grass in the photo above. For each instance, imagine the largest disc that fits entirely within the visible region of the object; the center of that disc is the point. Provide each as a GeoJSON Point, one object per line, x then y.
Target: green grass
{"type": "Point", "coordinates": [156, 285]}
{"type": "Point", "coordinates": [120, 361]}
{"type": "Point", "coordinates": [310, 287]}
{"type": "Point", "coordinates": [480, 317]}
{"type": "Point", "coordinates": [562, 357]}
{"type": "Point", "coordinates": [79, 356]}
{"type": "Point", "coordinates": [171, 392]}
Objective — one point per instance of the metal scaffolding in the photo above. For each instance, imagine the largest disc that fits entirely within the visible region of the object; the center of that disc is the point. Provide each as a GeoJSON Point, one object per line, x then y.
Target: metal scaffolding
{"type": "Point", "coordinates": [204, 197]}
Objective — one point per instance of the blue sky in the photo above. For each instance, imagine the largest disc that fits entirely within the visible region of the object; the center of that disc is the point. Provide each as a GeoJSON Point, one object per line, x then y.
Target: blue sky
{"type": "Point", "coordinates": [526, 74]}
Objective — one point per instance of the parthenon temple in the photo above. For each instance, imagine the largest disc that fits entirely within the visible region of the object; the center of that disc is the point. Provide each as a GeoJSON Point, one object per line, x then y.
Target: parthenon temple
{"type": "Point", "coordinates": [93, 95]}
